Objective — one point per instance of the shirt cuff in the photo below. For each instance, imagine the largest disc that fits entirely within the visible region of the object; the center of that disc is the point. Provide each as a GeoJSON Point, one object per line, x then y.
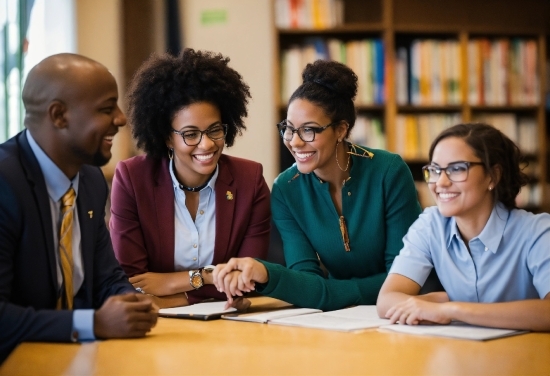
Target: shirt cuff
{"type": "Point", "coordinates": [83, 325]}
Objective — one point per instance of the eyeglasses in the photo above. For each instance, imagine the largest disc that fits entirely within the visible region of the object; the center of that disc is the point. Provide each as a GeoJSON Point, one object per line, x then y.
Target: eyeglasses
{"type": "Point", "coordinates": [456, 171]}
{"type": "Point", "coordinates": [306, 134]}
{"type": "Point", "coordinates": [194, 137]}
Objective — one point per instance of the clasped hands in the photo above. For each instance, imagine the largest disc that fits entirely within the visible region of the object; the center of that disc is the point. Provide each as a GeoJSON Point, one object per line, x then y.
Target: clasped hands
{"type": "Point", "coordinates": [125, 316]}
{"type": "Point", "coordinates": [238, 276]}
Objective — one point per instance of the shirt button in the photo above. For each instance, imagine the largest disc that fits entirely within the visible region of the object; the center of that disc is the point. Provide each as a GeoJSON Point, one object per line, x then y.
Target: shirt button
{"type": "Point", "coordinates": [194, 246]}
{"type": "Point", "coordinates": [349, 193]}
{"type": "Point", "coordinates": [201, 212]}
{"type": "Point", "coordinates": [486, 249]}
{"type": "Point", "coordinates": [194, 259]}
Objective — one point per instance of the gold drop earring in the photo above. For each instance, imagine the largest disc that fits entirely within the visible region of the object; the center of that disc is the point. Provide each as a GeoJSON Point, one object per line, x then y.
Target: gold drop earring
{"type": "Point", "coordinates": [337, 162]}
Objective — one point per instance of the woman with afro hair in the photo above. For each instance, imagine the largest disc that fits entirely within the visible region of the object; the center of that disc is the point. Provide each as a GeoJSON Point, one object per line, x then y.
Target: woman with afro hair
{"type": "Point", "coordinates": [184, 206]}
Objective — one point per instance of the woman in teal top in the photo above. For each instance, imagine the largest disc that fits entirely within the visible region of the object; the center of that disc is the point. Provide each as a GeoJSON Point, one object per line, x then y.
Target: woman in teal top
{"type": "Point", "coordinates": [341, 206]}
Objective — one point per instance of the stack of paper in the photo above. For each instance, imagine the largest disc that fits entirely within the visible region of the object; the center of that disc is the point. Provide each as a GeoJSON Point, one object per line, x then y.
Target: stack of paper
{"type": "Point", "coordinates": [348, 319]}
{"type": "Point", "coordinates": [454, 330]}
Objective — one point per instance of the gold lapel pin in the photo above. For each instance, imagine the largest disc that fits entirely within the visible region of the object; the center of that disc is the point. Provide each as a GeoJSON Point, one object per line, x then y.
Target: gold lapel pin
{"type": "Point", "coordinates": [91, 213]}
{"type": "Point", "coordinates": [229, 195]}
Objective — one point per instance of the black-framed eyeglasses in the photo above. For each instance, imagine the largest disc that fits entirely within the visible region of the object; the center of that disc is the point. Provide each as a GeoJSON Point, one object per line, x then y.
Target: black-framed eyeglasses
{"type": "Point", "coordinates": [193, 137]}
{"type": "Point", "coordinates": [306, 133]}
{"type": "Point", "coordinates": [456, 171]}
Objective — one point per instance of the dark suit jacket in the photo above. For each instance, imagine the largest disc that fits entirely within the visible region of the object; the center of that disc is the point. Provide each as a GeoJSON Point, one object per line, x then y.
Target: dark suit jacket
{"type": "Point", "coordinates": [28, 277]}
{"type": "Point", "coordinates": [142, 216]}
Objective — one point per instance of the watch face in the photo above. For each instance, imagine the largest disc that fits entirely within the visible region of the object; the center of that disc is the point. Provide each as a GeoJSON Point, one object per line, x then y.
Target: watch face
{"type": "Point", "coordinates": [196, 280]}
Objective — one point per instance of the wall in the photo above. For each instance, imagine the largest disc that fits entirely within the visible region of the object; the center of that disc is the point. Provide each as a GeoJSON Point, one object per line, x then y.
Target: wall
{"type": "Point", "coordinates": [244, 31]}
{"type": "Point", "coordinates": [246, 36]}
{"type": "Point", "coordinates": [99, 36]}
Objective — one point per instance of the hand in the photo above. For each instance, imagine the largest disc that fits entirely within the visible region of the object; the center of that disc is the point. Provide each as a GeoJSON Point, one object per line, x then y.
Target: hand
{"type": "Point", "coordinates": [415, 310]}
{"type": "Point", "coordinates": [125, 316]}
{"type": "Point", "coordinates": [238, 276]}
{"type": "Point", "coordinates": [169, 301]}
{"type": "Point", "coordinates": [240, 303]}
{"type": "Point", "coordinates": [158, 284]}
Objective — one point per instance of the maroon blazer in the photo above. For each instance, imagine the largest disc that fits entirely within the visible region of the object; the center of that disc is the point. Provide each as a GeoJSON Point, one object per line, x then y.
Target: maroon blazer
{"type": "Point", "coordinates": [142, 216]}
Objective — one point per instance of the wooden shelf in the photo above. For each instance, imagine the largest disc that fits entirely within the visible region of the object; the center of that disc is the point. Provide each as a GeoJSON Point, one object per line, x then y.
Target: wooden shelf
{"type": "Point", "coordinates": [429, 108]}
{"type": "Point", "coordinates": [344, 29]}
{"type": "Point", "coordinates": [508, 108]}
{"type": "Point", "coordinates": [399, 22]}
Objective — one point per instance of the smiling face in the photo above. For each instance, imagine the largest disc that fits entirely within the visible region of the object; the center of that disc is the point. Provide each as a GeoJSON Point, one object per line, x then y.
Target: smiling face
{"type": "Point", "coordinates": [469, 200]}
{"type": "Point", "coordinates": [195, 164]}
{"type": "Point", "coordinates": [93, 119]}
{"type": "Point", "coordinates": [319, 154]}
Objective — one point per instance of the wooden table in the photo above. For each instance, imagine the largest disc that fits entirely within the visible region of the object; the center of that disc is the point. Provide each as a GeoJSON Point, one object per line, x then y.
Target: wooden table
{"type": "Point", "coordinates": [178, 346]}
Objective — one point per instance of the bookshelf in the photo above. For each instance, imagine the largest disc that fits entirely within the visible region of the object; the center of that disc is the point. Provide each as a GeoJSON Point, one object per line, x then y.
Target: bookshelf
{"type": "Point", "coordinates": [441, 62]}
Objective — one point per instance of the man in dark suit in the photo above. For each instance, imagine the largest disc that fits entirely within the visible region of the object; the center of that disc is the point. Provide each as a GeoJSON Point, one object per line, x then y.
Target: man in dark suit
{"type": "Point", "coordinates": [71, 118]}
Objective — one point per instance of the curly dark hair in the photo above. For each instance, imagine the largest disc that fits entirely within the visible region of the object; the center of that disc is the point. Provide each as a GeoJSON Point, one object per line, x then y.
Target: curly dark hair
{"type": "Point", "coordinates": [331, 86]}
{"type": "Point", "coordinates": [494, 148]}
{"type": "Point", "coordinates": [165, 84]}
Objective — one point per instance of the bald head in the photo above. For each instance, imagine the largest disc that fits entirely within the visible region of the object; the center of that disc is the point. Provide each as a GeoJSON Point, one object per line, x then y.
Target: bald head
{"type": "Point", "coordinates": [62, 77]}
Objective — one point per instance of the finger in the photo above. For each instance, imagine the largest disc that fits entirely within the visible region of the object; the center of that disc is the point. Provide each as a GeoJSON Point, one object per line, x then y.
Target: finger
{"type": "Point", "coordinates": [245, 282]}
{"type": "Point", "coordinates": [393, 318]}
{"type": "Point", "coordinates": [403, 318]}
{"type": "Point", "coordinates": [136, 278]}
{"type": "Point", "coordinates": [223, 287]}
{"type": "Point", "coordinates": [131, 297]}
{"type": "Point", "coordinates": [241, 285]}
{"type": "Point", "coordinates": [219, 274]}
{"type": "Point", "coordinates": [229, 302]}
{"type": "Point", "coordinates": [140, 306]}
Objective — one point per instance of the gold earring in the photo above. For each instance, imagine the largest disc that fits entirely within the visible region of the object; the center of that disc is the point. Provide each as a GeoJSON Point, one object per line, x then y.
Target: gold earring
{"type": "Point", "coordinates": [171, 153]}
{"type": "Point", "coordinates": [336, 155]}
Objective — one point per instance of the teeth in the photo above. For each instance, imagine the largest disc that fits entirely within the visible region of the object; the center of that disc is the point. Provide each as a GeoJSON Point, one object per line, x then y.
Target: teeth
{"type": "Point", "coordinates": [446, 196]}
{"type": "Point", "coordinates": [109, 138]}
{"type": "Point", "coordinates": [204, 157]}
{"type": "Point", "coordinates": [303, 155]}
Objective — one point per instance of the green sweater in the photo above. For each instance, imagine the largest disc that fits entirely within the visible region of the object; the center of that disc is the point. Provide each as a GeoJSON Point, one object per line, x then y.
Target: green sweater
{"type": "Point", "coordinates": [379, 204]}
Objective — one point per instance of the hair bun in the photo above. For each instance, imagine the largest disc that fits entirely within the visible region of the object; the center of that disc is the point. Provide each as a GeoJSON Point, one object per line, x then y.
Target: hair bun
{"type": "Point", "coordinates": [333, 76]}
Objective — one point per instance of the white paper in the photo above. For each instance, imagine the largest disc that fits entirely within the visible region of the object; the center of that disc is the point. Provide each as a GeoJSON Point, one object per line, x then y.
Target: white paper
{"type": "Point", "coordinates": [348, 319]}
{"type": "Point", "coordinates": [264, 317]}
{"type": "Point", "coordinates": [454, 330]}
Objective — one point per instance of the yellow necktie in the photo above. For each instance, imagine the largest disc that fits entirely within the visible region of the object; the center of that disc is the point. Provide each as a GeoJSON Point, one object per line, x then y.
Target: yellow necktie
{"type": "Point", "coordinates": [66, 250]}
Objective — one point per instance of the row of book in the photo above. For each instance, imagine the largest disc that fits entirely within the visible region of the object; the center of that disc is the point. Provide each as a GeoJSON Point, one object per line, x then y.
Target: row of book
{"type": "Point", "coordinates": [368, 131]}
{"type": "Point", "coordinates": [502, 72]}
{"type": "Point", "coordinates": [520, 129]}
{"type": "Point", "coordinates": [365, 57]}
{"type": "Point", "coordinates": [415, 133]}
{"type": "Point", "coordinates": [308, 14]}
{"type": "Point", "coordinates": [428, 72]}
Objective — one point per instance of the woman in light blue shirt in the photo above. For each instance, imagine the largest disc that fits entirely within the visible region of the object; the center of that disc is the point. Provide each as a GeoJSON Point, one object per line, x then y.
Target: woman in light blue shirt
{"type": "Point", "coordinates": [482, 247]}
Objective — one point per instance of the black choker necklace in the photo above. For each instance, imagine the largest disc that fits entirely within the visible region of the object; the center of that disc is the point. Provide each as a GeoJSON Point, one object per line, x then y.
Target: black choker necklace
{"type": "Point", "coordinates": [195, 189]}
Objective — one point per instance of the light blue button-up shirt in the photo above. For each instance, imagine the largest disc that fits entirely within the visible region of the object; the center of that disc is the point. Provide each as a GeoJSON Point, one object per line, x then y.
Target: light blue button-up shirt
{"type": "Point", "coordinates": [57, 183]}
{"type": "Point", "coordinates": [194, 240]}
{"type": "Point", "coordinates": [509, 260]}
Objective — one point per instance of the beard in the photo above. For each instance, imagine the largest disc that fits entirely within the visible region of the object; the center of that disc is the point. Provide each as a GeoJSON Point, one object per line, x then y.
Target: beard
{"type": "Point", "coordinates": [97, 159]}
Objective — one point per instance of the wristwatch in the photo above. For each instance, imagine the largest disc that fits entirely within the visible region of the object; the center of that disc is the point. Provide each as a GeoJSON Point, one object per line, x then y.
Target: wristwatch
{"type": "Point", "coordinates": [195, 276]}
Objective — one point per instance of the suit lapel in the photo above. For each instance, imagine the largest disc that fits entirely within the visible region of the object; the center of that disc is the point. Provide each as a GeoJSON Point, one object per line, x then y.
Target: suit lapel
{"type": "Point", "coordinates": [36, 181]}
{"type": "Point", "coordinates": [226, 195]}
{"type": "Point", "coordinates": [164, 203]}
